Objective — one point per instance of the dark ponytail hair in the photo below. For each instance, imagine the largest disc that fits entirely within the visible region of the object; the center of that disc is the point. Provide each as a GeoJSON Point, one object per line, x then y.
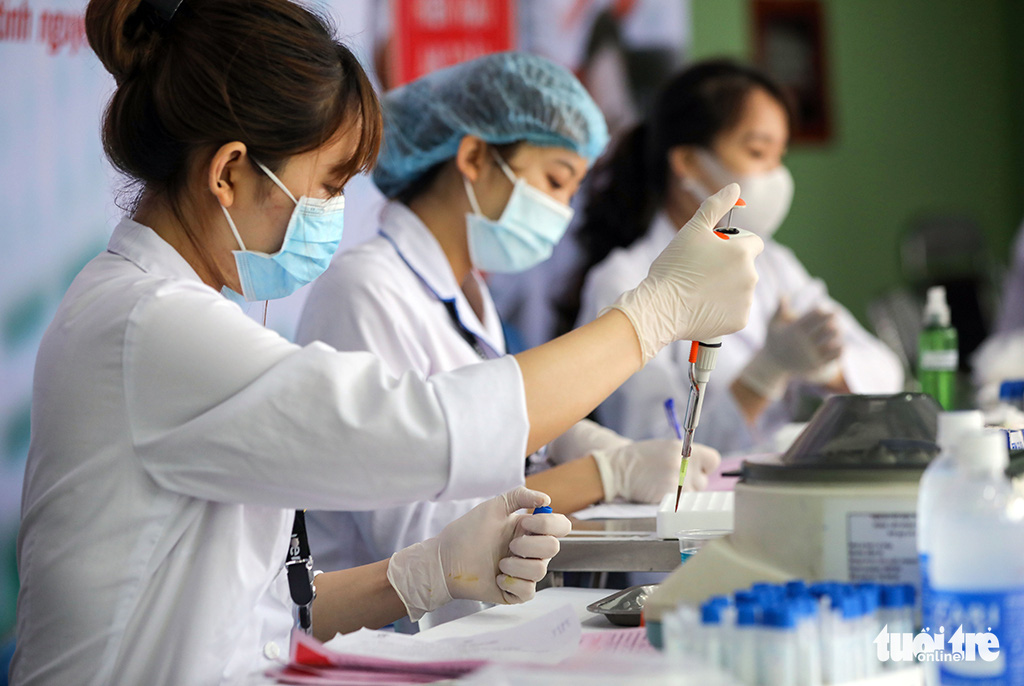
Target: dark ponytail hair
{"type": "Point", "coordinates": [628, 186]}
{"type": "Point", "coordinates": [268, 73]}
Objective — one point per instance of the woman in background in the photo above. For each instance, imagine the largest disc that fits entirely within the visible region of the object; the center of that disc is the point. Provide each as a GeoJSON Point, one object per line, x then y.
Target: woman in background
{"type": "Point", "coordinates": [720, 122]}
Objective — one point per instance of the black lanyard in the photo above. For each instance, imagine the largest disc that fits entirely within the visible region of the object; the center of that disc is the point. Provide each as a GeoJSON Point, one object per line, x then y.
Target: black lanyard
{"type": "Point", "coordinates": [449, 305]}
{"type": "Point", "coordinates": [300, 572]}
{"type": "Point", "coordinates": [466, 334]}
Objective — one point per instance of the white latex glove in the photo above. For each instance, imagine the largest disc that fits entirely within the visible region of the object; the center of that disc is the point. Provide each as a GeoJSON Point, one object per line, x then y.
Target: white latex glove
{"type": "Point", "coordinates": [805, 347]}
{"type": "Point", "coordinates": [704, 462]}
{"type": "Point", "coordinates": [700, 286]}
{"type": "Point", "coordinates": [643, 472]}
{"type": "Point", "coordinates": [490, 554]}
{"type": "Point", "coordinates": [582, 439]}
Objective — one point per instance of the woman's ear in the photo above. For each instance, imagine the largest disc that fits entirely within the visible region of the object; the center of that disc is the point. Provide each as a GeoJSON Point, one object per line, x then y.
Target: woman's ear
{"type": "Point", "coordinates": [225, 171]}
{"type": "Point", "coordinates": [682, 161]}
{"type": "Point", "coordinates": [471, 157]}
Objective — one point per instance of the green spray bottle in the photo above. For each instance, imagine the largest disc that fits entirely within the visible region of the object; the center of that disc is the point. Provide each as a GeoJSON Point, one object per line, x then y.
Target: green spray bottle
{"type": "Point", "coordinates": [937, 353]}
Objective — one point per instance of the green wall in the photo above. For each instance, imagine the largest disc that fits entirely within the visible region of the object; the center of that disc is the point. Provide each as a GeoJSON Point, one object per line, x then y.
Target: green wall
{"type": "Point", "coordinates": [927, 105]}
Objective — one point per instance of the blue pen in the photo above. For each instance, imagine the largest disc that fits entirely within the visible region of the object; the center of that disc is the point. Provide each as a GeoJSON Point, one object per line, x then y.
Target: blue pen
{"type": "Point", "coordinates": [673, 421]}
{"type": "Point", "coordinates": [673, 418]}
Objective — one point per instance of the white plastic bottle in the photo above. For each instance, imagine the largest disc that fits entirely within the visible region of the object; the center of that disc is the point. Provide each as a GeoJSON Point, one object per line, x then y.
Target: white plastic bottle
{"type": "Point", "coordinates": [936, 481]}
{"type": "Point", "coordinates": [976, 569]}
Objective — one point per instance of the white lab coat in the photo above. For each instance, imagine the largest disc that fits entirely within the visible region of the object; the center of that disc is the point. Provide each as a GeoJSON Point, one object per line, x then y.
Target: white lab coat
{"type": "Point", "coordinates": [172, 439]}
{"type": "Point", "coordinates": [387, 296]}
{"type": "Point", "coordinates": [637, 408]}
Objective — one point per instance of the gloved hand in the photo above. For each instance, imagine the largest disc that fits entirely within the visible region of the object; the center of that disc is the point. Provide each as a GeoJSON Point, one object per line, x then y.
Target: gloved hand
{"type": "Point", "coordinates": [643, 472]}
{"type": "Point", "coordinates": [488, 554]}
{"type": "Point", "coordinates": [704, 461]}
{"type": "Point", "coordinates": [805, 347]}
{"type": "Point", "coordinates": [582, 439]}
{"type": "Point", "coordinates": [699, 287]}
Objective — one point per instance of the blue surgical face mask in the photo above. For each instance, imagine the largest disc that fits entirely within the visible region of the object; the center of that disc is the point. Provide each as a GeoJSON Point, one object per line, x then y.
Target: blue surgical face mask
{"type": "Point", "coordinates": [313, 234]}
{"type": "Point", "coordinates": [525, 234]}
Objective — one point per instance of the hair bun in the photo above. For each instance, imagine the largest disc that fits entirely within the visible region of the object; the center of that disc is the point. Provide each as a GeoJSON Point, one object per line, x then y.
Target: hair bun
{"type": "Point", "coordinates": [121, 34]}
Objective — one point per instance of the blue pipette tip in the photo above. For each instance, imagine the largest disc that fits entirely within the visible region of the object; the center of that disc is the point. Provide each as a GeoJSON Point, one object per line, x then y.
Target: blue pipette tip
{"type": "Point", "coordinates": [542, 510]}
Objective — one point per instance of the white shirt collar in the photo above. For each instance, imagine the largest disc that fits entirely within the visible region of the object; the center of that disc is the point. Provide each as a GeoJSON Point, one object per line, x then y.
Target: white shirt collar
{"type": "Point", "coordinates": [141, 246]}
{"type": "Point", "coordinates": [419, 249]}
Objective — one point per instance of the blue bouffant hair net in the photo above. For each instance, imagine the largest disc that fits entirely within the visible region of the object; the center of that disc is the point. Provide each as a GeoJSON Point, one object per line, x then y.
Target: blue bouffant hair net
{"type": "Point", "coordinates": [501, 98]}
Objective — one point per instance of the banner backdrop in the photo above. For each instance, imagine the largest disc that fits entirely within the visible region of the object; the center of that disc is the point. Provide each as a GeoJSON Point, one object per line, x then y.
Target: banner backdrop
{"type": "Point", "coordinates": [55, 211]}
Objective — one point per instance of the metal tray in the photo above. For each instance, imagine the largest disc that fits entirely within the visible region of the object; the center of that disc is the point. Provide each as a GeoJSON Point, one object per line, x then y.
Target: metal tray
{"type": "Point", "coordinates": [624, 607]}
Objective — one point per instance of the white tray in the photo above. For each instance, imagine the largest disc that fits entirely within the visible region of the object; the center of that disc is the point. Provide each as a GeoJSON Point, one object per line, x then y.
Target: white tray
{"type": "Point", "coordinates": [700, 510]}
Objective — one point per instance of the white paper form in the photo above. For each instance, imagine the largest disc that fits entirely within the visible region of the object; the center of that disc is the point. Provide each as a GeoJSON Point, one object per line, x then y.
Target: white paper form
{"type": "Point", "coordinates": [547, 639]}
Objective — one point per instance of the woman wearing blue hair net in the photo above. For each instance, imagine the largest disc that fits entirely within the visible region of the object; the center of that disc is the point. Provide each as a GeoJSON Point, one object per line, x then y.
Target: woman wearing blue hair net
{"type": "Point", "coordinates": [480, 161]}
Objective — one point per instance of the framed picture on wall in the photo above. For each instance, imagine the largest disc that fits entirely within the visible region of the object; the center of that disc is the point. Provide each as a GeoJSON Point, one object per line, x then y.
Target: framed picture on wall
{"type": "Point", "coordinates": [789, 44]}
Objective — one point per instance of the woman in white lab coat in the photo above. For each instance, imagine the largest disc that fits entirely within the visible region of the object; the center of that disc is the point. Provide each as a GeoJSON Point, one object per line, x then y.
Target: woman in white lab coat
{"type": "Point", "coordinates": [173, 437]}
{"type": "Point", "coordinates": [715, 123]}
{"type": "Point", "coordinates": [480, 161]}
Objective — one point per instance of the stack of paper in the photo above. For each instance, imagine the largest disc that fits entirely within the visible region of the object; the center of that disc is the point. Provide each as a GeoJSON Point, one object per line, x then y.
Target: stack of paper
{"type": "Point", "coordinates": [373, 657]}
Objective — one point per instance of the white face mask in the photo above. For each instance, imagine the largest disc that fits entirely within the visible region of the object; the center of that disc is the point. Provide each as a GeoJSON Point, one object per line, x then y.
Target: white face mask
{"type": "Point", "coordinates": [768, 195]}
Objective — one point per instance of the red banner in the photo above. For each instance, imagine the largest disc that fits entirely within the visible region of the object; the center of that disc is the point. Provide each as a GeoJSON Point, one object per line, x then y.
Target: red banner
{"type": "Point", "coordinates": [433, 34]}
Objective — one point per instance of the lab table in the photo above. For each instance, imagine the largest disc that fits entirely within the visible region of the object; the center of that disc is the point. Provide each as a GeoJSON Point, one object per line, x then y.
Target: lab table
{"type": "Point", "coordinates": [510, 616]}
{"type": "Point", "coordinates": [613, 545]}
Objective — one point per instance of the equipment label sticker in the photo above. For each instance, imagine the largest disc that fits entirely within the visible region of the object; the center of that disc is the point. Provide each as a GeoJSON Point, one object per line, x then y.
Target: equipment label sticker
{"type": "Point", "coordinates": [881, 547]}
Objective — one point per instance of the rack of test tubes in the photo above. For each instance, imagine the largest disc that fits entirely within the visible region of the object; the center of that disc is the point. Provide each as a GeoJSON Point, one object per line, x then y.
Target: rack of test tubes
{"type": "Point", "coordinates": [793, 634]}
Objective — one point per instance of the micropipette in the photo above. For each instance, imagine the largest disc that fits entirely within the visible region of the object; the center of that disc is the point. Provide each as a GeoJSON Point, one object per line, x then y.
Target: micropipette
{"type": "Point", "coordinates": [703, 355]}
{"type": "Point", "coordinates": [739, 203]}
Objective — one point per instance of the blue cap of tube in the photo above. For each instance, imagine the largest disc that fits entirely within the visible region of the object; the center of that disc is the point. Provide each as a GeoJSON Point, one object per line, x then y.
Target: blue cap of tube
{"type": "Point", "coordinates": [871, 599]}
{"type": "Point", "coordinates": [1011, 390]}
{"type": "Point", "coordinates": [795, 588]}
{"type": "Point", "coordinates": [819, 589]}
{"type": "Point", "coordinates": [768, 594]}
{"type": "Point", "coordinates": [780, 616]}
{"type": "Point", "coordinates": [711, 613]}
{"type": "Point", "coordinates": [544, 509]}
{"type": "Point", "coordinates": [764, 586]}
{"type": "Point", "coordinates": [872, 594]}
{"type": "Point", "coordinates": [744, 597]}
{"type": "Point", "coordinates": [852, 605]}
{"type": "Point", "coordinates": [720, 600]}
{"type": "Point", "coordinates": [805, 606]}
{"type": "Point", "coordinates": [870, 587]}
{"type": "Point", "coordinates": [909, 594]}
{"type": "Point", "coordinates": [746, 613]}
{"type": "Point", "coordinates": [893, 595]}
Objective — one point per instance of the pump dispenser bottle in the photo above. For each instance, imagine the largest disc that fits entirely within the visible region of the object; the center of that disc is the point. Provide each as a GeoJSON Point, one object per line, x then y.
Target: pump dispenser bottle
{"type": "Point", "coordinates": [937, 355]}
